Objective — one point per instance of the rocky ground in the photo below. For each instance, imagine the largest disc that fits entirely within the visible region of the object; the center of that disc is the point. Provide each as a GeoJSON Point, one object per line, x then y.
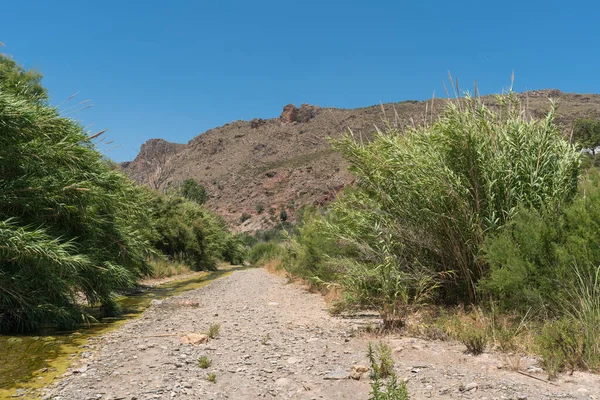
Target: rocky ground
{"type": "Point", "coordinates": [278, 341]}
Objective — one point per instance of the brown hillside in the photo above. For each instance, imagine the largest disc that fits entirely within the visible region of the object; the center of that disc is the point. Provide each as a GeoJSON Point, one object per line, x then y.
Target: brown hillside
{"type": "Point", "coordinates": [287, 162]}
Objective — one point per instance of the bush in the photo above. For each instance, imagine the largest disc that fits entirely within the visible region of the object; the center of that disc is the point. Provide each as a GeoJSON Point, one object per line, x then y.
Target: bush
{"type": "Point", "coordinates": [560, 346]}
{"type": "Point", "coordinates": [193, 191]}
{"type": "Point", "coordinates": [433, 193]}
{"type": "Point", "coordinates": [70, 223]}
{"type": "Point", "coordinates": [245, 217]}
{"type": "Point", "coordinates": [204, 362]}
{"type": "Point", "coordinates": [586, 132]}
{"type": "Point", "coordinates": [264, 252]}
{"type": "Point", "coordinates": [538, 260]}
{"type": "Point", "coordinates": [187, 231]}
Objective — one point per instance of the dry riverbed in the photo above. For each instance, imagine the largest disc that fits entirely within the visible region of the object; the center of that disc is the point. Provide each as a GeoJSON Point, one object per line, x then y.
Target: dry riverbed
{"type": "Point", "coordinates": [278, 341]}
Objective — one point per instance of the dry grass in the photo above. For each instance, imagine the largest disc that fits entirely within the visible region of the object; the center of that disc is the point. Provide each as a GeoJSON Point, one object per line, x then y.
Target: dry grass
{"type": "Point", "coordinates": [164, 269]}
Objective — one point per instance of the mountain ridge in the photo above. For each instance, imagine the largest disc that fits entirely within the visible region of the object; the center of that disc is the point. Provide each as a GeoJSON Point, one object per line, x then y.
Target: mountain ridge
{"type": "Point", "coordinates": [253, 170]}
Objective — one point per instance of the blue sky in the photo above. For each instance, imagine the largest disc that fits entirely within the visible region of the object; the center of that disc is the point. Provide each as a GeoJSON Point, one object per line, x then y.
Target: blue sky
{"type": "Point", "coordinates": [174, 69]}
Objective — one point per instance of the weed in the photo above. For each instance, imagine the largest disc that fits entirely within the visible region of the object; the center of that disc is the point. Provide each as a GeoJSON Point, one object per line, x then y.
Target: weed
{"type": "Point", "coordinates": [561, 346]}
{"type": "Point", "coordinates": [212, 377]}
{"type": "Point", "coordinates": [214, 330]}
{"type": "Point", "coordinates": [265, 339]}
{"type": "Point", "coordinates": [381, 360]}
{"type": "Point", "coordinates": [204, 362]}
{"type": "Point", "coordinates": [382, 368]}
{"type": "Point", "coordinates": [245, 217]}
{"type": "Point", "coordinates": [475, 340]}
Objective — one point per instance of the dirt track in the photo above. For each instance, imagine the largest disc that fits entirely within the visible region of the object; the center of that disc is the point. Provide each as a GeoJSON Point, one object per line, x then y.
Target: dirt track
{"type": "Point", "coordinates": [278, 341]}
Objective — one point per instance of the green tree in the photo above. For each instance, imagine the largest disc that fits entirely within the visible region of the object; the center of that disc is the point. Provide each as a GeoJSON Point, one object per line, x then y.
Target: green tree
{"type": "Point", "coordinates": [586, 132]}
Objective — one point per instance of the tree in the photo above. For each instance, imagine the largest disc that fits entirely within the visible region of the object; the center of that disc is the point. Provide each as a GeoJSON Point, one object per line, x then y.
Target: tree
{"type": "Point", "coordinates": [586, 132]}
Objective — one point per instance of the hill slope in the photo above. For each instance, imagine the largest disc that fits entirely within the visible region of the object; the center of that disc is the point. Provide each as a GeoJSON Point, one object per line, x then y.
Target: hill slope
{"type": "Point", "coordinates": [286, 162]}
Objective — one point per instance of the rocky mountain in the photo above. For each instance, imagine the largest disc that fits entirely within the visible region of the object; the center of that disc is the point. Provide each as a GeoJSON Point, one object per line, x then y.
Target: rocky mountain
{"type": "Point", "coordinates": [254, 169]}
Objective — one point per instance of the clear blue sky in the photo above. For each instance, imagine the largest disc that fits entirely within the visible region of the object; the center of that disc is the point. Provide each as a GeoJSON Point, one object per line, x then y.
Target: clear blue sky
{"type": "Point", "coordinates": [174, 69]}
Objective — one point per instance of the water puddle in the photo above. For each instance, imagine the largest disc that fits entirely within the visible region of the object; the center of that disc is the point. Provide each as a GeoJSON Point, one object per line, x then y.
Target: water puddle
{"type": "Point", "coordinates": [34, 361]}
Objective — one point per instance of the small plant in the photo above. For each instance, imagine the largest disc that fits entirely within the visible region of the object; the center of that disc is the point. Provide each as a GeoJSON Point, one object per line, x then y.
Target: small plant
{"type": "Point", "coordinates": [283, 216]}
{"type": "Point", "coordinates": [475, 340]}
{"type": "Point", "coordinates": [561, 346]}
{"type": "Point", "coordinates": [380, 390]}
{"type": "Point", "coordinates": [245, 217]}
{"type": "Point", "coordinates": [260, 208]}
{"type": "Point", "coordinates": [381, 359]}
{"type": "Point", "coordinates": [204, 362]}
{"type": "Point", "coordinates": [212, 377]}
{"type": "Point", "coordinates": [265, 339]}
{"type": "Point", "coordinates": [214, 330]}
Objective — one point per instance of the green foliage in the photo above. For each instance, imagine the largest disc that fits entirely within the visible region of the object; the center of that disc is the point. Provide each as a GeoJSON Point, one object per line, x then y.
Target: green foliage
{"type": "Point", "coordinates": [561, 347]}
{"type": "Point", "coordinates": [260, 208]}
{"type": "Point", "coordinates": [432, 193]}
{"type": "Point", "coordinates": [382, 366]}
{"type": "Point", "coordinates": [204, 362]}
{"type": "Point", "coordinates": [475, 340]}
{"type": "Point", "coordinates": [214, 331]}
{"type": "Point", "coordinates": [235, 250]}
{"type": "Point", "coordinates": [283, 216]}
{"type": "Point", "coordinates": [188, 232]}
{"type": "Point", "coordinates": [264, 252]}
{"type": "Point", "coordinates": [70, 223]}
{"type": "Point", "coordinates": [586, 132]}
{"type": "Point", "coordinates": [212, 377]}
{"type": "Point", "coordinates": [23, 84]}
{"type": "Point", "coordinates": [310, 250]}
{"type": "Point", "coordinates": [193, 191]}
{"type": "Point", "coordinates": [538, 259]}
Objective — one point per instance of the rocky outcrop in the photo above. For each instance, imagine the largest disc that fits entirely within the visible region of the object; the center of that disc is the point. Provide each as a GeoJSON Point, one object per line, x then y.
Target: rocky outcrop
{"type": "Point", "coordinates": [289, 114]}
{"type": "Point", "coordinates": [257, 123]}
{"type": "Point", "coordinates": [292, 114]}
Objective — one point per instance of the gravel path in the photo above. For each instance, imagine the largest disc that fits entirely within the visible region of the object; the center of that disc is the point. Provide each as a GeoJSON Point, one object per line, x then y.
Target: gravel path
{"type": "Point", "coordinates": [278, 341]}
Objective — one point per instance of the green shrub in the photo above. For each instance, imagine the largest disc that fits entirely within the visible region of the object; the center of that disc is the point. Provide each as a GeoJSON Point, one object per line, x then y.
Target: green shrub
{"type": "Point", "coordinates": [260, 208]}
{"type": "Point", "coordinates": [212, 377]}
{"type": "Point", "coordinates": [586, 132]}
{"type": "Point", "coordinates": [283, 216]}
{"type": "Point", "coordinates": [382, 366]}
{"type": "Point", "coordinates": [214, 331]}
{"type": "Point", "coordinates": [561, 346]}
{"type": "Point", "coordinates": [433, 193]}
{"type": "Point", "coordinates": [235, 250]}
{"type": "Point", "coordinates": [204, 362]}
{"type": "Point", "coordinates": [539, 259]}
{"type": "Point", "coordinates": [193, 191]}
{"type": "Point", "coordinates": [71, 224]}
{"type": "Point", "coordinates": [474, 340]}
{"type": "Point", "coordinates": [309, 251]}
{"type": "Point", "coordinates": [189, 232]}
{"type": "Point", "coordinates": [263, 252]}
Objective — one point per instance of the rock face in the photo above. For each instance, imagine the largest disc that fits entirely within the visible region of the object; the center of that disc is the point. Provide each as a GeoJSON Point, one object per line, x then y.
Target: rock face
{"type": "Point", "coordinates": [286, 162]}
{"type": "Point", "coordinates": [289, 114]}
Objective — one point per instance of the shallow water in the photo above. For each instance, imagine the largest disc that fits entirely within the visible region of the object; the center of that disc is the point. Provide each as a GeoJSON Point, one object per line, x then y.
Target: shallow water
{"type": "Point", "coordinates": [30, 361]}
